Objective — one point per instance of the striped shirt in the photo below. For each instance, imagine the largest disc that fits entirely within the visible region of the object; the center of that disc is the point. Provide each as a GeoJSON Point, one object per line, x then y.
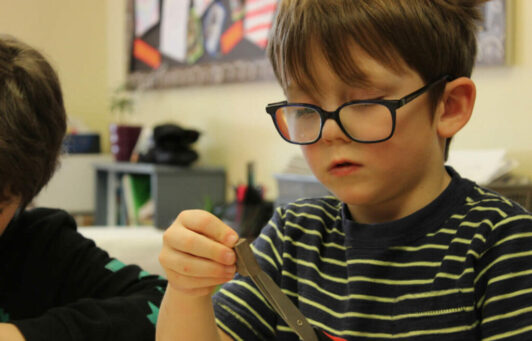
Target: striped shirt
{"type": "Point", "coordinates": [458, 269]}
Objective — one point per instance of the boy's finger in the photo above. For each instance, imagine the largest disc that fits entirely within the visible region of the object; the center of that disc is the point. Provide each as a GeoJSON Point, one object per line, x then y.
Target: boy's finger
{"type": "Point", "coordinates": [193, 267]}
{"type": "Point", "coordinates": [196, 244]}
{"type": "Point", "coordinates": [208, 225]}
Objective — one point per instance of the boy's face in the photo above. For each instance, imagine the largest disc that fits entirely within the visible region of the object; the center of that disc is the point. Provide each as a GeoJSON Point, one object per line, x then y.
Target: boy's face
{"type": "Point", "coordinates": [380, 181]}
{"type": "Point", "coordinates": [7, 211]}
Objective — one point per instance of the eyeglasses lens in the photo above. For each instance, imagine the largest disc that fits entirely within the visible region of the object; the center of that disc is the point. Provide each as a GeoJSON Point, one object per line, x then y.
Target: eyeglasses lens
{"type": "Point", "coordinates": [365, 122]}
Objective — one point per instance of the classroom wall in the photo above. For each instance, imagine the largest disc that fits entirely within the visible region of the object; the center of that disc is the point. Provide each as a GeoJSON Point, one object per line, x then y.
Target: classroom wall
{"type": "Point", "coordinates": [73, 36]}
{"type": "Point", "coordinates": [87, 42]}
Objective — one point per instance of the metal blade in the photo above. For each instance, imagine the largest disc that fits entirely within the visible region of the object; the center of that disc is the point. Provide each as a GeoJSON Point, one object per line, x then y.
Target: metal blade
{"type": "Point", "coordinates": [247, 266]}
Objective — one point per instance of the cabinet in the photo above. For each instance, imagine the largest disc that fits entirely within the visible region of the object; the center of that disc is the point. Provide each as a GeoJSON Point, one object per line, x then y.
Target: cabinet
{"type": "Point", "coordinates": [172, 189]}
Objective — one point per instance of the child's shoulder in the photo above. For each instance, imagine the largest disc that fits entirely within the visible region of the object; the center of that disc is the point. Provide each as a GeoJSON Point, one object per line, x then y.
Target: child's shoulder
{"type": "Point", "coordinates": [494, 216]}
{"type": "Point", "coordinates": [486, 202]}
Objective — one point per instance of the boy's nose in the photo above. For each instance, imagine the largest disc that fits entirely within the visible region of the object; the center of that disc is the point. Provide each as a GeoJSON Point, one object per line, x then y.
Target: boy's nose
{"type": "Point", "coordinates": [332, 132]}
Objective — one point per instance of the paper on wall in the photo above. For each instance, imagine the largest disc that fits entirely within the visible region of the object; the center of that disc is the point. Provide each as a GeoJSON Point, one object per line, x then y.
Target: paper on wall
{"type": "Point", "coordinates": [173, 36]}
{"type": "Point", "coordinates": [146, 15]}
{"type": "Point", "coordinates": [258, 20]}
{"type": "Point", "coordinates": [200, 6]}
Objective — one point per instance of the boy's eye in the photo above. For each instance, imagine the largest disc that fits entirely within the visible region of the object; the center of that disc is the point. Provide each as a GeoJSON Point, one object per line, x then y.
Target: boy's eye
{"type": "Point", "coordinates": [304, 112]}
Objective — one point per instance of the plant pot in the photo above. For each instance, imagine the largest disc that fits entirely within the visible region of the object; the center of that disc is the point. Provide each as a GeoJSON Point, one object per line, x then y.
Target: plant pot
{"type": "Point", "coordinates": [123, 139]}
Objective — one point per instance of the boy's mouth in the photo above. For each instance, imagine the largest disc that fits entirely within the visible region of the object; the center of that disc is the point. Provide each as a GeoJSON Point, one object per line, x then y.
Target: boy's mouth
{"type": "Point", "coordinates": [343, 166]}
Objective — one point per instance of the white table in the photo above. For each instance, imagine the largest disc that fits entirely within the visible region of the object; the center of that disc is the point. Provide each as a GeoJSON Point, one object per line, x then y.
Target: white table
{"type": "Point", "coordinates": [139, 245]}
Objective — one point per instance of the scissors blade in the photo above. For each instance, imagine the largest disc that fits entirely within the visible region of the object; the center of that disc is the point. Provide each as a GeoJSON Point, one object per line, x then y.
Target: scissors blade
{"type": "Point", "coordinates": [247, 266]}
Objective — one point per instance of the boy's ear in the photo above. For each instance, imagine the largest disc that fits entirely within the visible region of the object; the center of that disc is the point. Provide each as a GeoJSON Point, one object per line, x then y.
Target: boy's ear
{"type": "Point", "coordinates": [456, 106]}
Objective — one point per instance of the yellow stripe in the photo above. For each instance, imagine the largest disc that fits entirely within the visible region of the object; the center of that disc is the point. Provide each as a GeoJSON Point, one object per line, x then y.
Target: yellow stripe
{"type": "Point", "coordinates": [228, 331]}
{"type": "Point", "coordinates": [252, 289]}
{"type": "Point", "coordinates": [318, 207]}
{"type": "Point", "coordinates": [356, 278]}
{"type": "Point", "coordinates": [499, 200]}
{"type": "Point", "coordinates": [336, 207]}
{"type": "Point", "coordinates": [393, 336]}
{"type": "Point", "coordinates": [454, 276]}
{"type": "Point", "coordinates": [481, 191]}
{"type": "Point", "coordinates": [316, 233]}
{"type": "Point", "coordinates": [277, 232]}
{"type": "Point", "coordinates": [454, 258]}
{"type": "Point", "coordinates": [461, 241]}
{"type": "Point", "coordinates": [507, 296]}
{"type": "Point", "coordinates": [248, 307]}
{"type": "Point", "coordinates": [352, 314]}
{"type": "Point", "coordinates": [421, 247]}
{"type": "Point", "coordinates": [268, 240]}
{"type": "Point", "coordinates": [513, 237]}
{"type": "Point", "coordinates": [501, 259]}
{"type": "Point", "coordinates": [479, 236]}
{"type": "Point", "coordinates": [281, 212]}
{"type": "Point", "coordinates": [513, 218]}
{"type": "Point", "coordinates": [476, 223]}
{"type": "Point", "coordinates": [238, 317]}
{"type": "Point", "coordinates": [508, 276]}
{"type": "Point", "coordinates": [472, 252]}
{"type": "Point", "coordinates": [508, 334]}
{"type": "Point", "coordinates": [263, 256]}
{"type": "Point", "coordinates": [317, 250]}
{"type": "Point", "coordinates": [443, 230]}
{"type": "Point", "coordinates": [299, 227]}
{"type": "Point", "coordinates": [494, 209]}
{"type": "Point", "coordinates": [392, 264]}
{"type": "Point", "coordinates": [370, 298]}
{"type": "Point", "coordinates": [316, 218]}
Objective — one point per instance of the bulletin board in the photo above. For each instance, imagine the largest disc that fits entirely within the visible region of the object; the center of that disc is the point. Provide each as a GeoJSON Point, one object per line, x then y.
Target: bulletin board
{"type": "Point", "coordinates": [198, 42]}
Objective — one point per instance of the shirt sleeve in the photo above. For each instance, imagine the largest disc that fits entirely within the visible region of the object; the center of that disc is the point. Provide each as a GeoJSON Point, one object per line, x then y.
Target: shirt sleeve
{"type": "Point", "coordinates": [504, 281]}
{"type": "Point", "coordinates": [240, 309]}
{"type": "Point", "coordinates": [95, 297]}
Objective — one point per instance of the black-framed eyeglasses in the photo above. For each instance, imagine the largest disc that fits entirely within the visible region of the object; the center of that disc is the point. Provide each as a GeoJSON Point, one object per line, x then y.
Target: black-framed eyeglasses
{"type": "Point", "coordinates": [364, 121]}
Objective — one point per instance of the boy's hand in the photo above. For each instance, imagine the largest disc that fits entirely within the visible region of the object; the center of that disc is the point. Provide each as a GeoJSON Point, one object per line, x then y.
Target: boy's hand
{"type": "Point", "coordinates": [10, 332]}
{"type": "Point", "coordinates": [197, 253]}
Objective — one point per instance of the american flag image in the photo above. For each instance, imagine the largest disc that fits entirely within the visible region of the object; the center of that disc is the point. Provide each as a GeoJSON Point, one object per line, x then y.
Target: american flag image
{"type": "Point", "coordinates": [258, 20]}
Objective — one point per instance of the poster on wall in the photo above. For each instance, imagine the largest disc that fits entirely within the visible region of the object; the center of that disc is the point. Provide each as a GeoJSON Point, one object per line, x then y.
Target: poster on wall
{"type": "Point", "coordinates": [195, 42]}
{"type": "Point", "coordinates": [199, 42]}
{"type": "Point", "coordinates": [493, 47]}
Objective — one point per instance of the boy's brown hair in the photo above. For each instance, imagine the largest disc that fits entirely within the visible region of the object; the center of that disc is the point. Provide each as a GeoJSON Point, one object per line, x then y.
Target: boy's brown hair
{"type": "Point", "coordinates": [432, 37]}
{"type": "Point", "coordinates": [32, 120]}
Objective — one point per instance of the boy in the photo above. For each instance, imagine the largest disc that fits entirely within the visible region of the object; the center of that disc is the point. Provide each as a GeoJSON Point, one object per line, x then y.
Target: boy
{"type": "Point", "coordinates": [54, 284]}
{"type": "Point", "coordinates": [406, 249]}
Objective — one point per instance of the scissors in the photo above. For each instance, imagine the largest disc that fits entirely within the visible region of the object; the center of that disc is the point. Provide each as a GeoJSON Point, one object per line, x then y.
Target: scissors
{"type": "Point", "coordinates": [247, 265]}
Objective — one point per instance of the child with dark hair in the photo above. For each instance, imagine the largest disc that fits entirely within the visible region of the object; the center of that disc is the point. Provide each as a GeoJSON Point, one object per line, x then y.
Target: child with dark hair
{"type": "Point", "coordinates": [406, 249]}
{"type": "Point", "coordinates": [54, 283]}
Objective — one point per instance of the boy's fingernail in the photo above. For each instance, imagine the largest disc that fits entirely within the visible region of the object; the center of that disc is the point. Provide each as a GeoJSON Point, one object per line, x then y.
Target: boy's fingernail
{"type": "Point", "coordinates": [231, 239]}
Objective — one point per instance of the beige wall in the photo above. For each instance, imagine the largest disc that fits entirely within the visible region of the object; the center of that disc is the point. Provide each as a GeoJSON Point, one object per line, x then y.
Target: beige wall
{"type": "Point", "coordinates": [87, 42]}
{"type": "Point", "coordinates": [72, 34]}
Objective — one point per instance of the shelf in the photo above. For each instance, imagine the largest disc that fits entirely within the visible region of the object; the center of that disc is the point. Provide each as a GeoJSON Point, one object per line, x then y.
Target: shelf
{"type": "Point", "coordinates": [172, 188]}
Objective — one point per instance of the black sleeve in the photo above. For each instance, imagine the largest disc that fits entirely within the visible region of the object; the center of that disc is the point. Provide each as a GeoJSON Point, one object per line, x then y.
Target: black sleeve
{"type": "Point", "coordinates": [93, 296]}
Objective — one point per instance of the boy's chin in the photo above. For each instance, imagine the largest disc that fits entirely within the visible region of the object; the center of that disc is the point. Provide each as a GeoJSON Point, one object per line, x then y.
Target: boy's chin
{"type": "Point", "coordinates": [354, 198]}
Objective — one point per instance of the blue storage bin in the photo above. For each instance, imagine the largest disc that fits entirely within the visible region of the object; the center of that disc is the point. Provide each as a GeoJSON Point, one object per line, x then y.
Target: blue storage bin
{"type": "Point", "coordinates": [81, 143]}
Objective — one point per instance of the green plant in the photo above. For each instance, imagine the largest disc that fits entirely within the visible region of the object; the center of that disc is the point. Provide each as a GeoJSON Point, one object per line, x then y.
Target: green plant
{"type": "Point", "coordinates": [121, 103]}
